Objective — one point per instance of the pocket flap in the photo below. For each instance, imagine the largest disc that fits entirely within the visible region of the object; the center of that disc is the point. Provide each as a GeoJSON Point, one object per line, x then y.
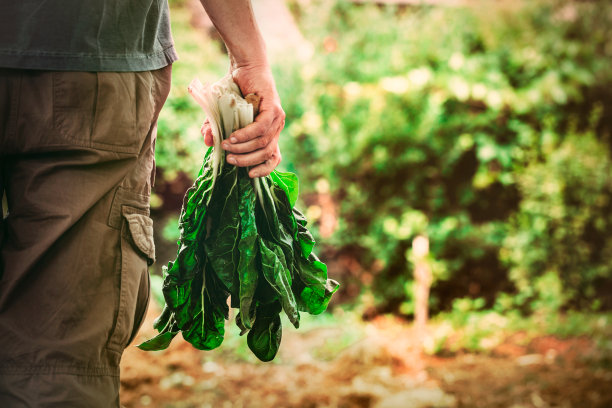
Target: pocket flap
{"type": "Point", "coordinates": [141, 230]}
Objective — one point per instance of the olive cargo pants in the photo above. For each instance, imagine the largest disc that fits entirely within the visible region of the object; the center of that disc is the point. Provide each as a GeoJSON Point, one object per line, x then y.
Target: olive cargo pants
{"type": "Point", "coordinates": [76, 165]}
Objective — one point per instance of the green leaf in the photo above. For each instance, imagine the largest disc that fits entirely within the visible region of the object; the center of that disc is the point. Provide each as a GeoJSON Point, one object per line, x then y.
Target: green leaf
{"type": "Point", "coordinates": [208, 313]}
{"type": "Point", "coordinates": [265, 336]}
{"type": "Point", "coordinates": [221, 245]}
{"type": "Point", "coordinates": [166, 332]}
{"type": "Point", "coordinates": [241, 326]}
{"type": "Point", "coordinates": [159, 342]}
{"type": "Point", "coordinates": [317, 290]}
{"type": "Point", "coordinates": [163, 319]}
{"type": "Point", "coordinates": [271, 215]}
{"type": "Point", "coordinates": [274, 268]}
{"type": "Point", "coordinates": [293, 221]}
{"type": "Point", "coordinates": [288, 182]}
{"type": "Point", "coordinates": [178, 300]}
{"type": "Point", "coordinates": [206, 335]}
{"type": "Point", "coordinates": [247, 247]}
{"type": "Point", "coordinates": [304, 236]}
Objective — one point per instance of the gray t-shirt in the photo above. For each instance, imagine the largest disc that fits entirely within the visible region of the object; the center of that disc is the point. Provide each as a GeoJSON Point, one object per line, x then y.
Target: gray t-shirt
{"type": "Point", "coordinates": [85, 35]}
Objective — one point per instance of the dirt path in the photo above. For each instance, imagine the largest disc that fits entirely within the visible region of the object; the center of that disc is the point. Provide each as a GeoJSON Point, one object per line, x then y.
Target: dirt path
{"type": "Point", "coordinates": [368, 366]}
{"type": "Point", "coordinates": [375, 364]}
{"type": "Point", "coordinates": [548, 372]}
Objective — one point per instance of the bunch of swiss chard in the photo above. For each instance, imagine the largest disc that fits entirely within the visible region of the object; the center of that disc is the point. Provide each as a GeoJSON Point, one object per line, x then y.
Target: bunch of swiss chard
{"type": "Point", "coordinates": [240, 238]}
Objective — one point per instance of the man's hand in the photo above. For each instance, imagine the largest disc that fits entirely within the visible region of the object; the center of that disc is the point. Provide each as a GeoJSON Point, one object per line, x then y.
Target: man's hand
{"type": "Point", "coordinates": [256, 145]}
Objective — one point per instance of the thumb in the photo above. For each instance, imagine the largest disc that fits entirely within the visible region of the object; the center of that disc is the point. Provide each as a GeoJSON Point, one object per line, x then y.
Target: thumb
{"type": "Point", "coordinates": [206, 131]}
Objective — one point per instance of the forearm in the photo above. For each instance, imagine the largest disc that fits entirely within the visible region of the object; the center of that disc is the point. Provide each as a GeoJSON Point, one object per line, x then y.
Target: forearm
{"type": "Point", "coordinates": [236, 24]}
{"type": "Point", "coordinates": [255, 145]}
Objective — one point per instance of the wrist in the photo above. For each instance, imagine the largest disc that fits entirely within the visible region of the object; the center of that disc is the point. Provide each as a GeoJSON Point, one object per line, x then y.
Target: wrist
{"type": "Point", "coordinates": [253, 60]}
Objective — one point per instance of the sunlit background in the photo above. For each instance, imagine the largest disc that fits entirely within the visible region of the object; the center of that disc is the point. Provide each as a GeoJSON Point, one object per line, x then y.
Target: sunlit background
{"type": "Point", "coordinates": [455, 165]}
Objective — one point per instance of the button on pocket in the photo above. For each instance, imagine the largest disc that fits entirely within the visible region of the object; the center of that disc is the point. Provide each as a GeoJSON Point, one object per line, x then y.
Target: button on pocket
{"type": "Point", "coordinates": [137, 252]}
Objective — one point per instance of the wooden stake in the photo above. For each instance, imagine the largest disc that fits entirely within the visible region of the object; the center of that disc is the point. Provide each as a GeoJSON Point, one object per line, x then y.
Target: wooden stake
{"type": "Point", "coordinates": [423, 279]}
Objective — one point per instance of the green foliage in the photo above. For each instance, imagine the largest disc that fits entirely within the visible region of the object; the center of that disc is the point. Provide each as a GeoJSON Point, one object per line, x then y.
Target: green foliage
{"type": "Point", "coordinates": [170, 232]}
{"type": "Point", "coordinates": [157, 283]}
{"type": "Point", "coordinates": [456, 123]}
{"type": "Point", "coordinates": [469, 326]}
{"type": "Point", "coordinates": [559, 244]}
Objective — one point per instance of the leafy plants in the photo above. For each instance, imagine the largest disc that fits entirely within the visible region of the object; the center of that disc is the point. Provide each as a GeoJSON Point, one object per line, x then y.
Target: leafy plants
{"type": "Point", "coordinates": [239, 238]}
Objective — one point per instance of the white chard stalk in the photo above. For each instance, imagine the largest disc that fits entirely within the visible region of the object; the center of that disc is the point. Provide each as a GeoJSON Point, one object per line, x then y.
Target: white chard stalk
{"type": "Point", "coordinates": [227, 111]}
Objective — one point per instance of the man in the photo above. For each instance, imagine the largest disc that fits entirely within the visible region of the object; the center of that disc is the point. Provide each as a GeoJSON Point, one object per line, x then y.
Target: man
{"type": "Point", "coordinates": [81, 87]}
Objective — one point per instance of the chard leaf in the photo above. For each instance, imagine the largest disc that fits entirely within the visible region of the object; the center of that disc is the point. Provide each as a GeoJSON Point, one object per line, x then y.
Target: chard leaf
{"type": "Point", "coordinates": [317, 290]}
{"type": "Point", "coordinates": [304, 236]}
{"type": "Point", "coordinates": [163, 319]}
{"type": "Point", "coordinates": [270, 225]}
{"type": "Point", "coordinates": [181, 273]}
{"type": "Point", "coordinates": [247, 247]}
{"type": "Point", "coordinates": [222, 244]}
{"type": "Point", "coordinates": [266, 217]}
{"type": "Point", "coordinates": [294, 221]}
{"type": "Point", "coordinates": [208, 313]}
{"type": "Point", "coordinates": [195, 202]}
{"type": "Point", "coordinates": [159, 342]}
{"type": "Point", "coordinates": [165, 336]}
{"type": "Point", "coordinates": [288, 182]}
{"type": "Point", "coordinates": [265, 336]}
{"type": "Point", "coordinates": [178, 299]}
{"type": "Point", "coordinates": [274, 268]}
{"type": "Point", "coordinates": [206, 334]}
{"type": "Point", "coordinates": [241, 326]}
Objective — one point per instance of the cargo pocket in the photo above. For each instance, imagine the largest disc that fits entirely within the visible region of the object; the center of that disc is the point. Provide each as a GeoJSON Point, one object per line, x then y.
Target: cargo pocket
{"type": "Point", "coordinates": [137, 253]}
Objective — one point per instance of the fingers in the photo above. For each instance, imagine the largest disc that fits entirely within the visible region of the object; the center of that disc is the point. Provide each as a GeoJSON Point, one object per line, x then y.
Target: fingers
{"type": "Point", "coordinates": [269, 153]}
{"type": "Point", "coordinates": [260, 152]}
{"type": "Point", "coordinates": [256, 145]}
{"type": "Point", "coordinates": [206, 131]}
{"type": "Point", "coordinates": [253, 137]}
{"type": "Point", "coordinates": [258, 142]}
{"type": "Point", "coordinates": [270, 119]}
{"type": "Point", "coordinates": [246, 147]}
{"type": "Point", "coordinates": [266, 167]}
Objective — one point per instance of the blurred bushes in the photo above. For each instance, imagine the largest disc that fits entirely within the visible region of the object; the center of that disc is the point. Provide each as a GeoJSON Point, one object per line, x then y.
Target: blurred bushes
{"type": "Point", "coordinates": [559, 245]}
{"type": "Point", "coordinates": [486, 129]}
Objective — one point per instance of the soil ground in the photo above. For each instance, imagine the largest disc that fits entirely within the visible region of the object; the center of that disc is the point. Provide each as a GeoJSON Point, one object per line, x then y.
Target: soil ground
{"type": "Point", "coordinates": [366, 364]}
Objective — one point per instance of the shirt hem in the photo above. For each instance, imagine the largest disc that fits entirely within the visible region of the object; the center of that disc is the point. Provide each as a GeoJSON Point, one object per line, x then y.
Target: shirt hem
{"type": "Point", "coordinates": [86, 62]}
